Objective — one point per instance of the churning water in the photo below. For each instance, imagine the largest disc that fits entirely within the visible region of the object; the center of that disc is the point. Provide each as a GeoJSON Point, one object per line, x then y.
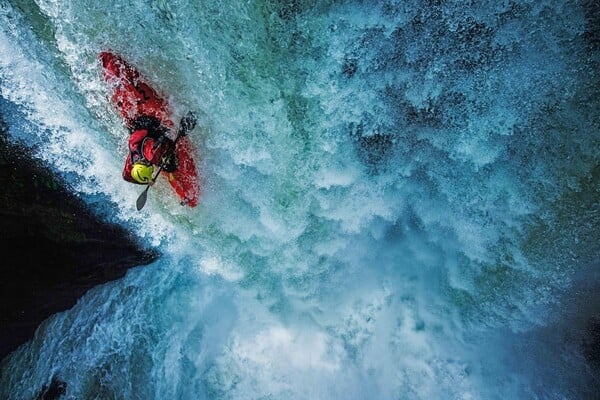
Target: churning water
{"type": "Point", "coordinates": [400, 198]}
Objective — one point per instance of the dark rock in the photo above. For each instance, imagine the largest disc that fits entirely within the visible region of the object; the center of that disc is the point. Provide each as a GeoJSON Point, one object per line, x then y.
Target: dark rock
{"type": "Point", "coordinates": [54, 247]}
{"type": "Point", "coordinates": [591, 342]}
{"type": "Point", "coordinates": [52, 392]}
{"type": "Point", "coordinates": [591, 34]}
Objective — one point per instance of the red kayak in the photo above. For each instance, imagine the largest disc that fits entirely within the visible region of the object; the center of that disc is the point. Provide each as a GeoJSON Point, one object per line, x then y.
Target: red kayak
{"type": "Point", "coordinates": [133, 97]}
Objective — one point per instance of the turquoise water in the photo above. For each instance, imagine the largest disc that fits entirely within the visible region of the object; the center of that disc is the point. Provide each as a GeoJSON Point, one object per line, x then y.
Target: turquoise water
{"type": "Point", "coordinates": [400, 199]}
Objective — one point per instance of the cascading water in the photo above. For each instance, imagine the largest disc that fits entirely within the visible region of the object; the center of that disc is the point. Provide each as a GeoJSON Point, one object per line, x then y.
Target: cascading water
{"type": "Point", "coordinates": [400, 199]}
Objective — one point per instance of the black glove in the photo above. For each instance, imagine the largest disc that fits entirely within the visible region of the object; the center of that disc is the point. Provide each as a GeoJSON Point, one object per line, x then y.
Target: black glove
{"type": "Point", "coordinates": [187, 124]}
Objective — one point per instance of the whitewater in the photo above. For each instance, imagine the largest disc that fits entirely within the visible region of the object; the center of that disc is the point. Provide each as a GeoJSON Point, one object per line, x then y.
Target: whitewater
{"type": "Point", "coordinates": [399, 198]}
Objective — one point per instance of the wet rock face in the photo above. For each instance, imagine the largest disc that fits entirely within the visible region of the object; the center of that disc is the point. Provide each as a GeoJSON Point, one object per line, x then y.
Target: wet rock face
{"type": "Point", "coordinates": [591, 342]}
{"type": "Point", "coordinates": [53, 391]}
{"type": "Point", "coordinates": [53, 248]}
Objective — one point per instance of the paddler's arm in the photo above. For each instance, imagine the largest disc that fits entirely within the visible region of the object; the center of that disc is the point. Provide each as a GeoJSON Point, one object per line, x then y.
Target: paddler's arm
{"type": "Point", "coordinates": [127, 171]}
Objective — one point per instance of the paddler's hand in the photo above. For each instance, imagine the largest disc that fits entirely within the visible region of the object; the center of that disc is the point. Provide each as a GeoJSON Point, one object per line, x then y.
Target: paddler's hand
{"type": "Point", "coordinates": [187, 124]}
{"type": "Point", "coordinates": [169, 161]}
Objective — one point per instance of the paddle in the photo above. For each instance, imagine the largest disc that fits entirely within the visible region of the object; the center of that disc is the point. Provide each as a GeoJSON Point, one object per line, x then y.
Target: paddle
{"type": "Point", "coordinates": [187, 124]}
{"type": "Point", "coordinates": [141, 201]}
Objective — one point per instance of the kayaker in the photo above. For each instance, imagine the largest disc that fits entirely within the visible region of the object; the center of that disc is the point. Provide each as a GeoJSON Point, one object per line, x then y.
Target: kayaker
{"type": "Point", "coordinates": [149, 146]}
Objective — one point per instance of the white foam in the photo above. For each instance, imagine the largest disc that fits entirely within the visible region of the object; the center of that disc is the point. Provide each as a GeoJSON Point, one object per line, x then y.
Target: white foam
{"type": "Point", "coordinates": [306, 271]}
